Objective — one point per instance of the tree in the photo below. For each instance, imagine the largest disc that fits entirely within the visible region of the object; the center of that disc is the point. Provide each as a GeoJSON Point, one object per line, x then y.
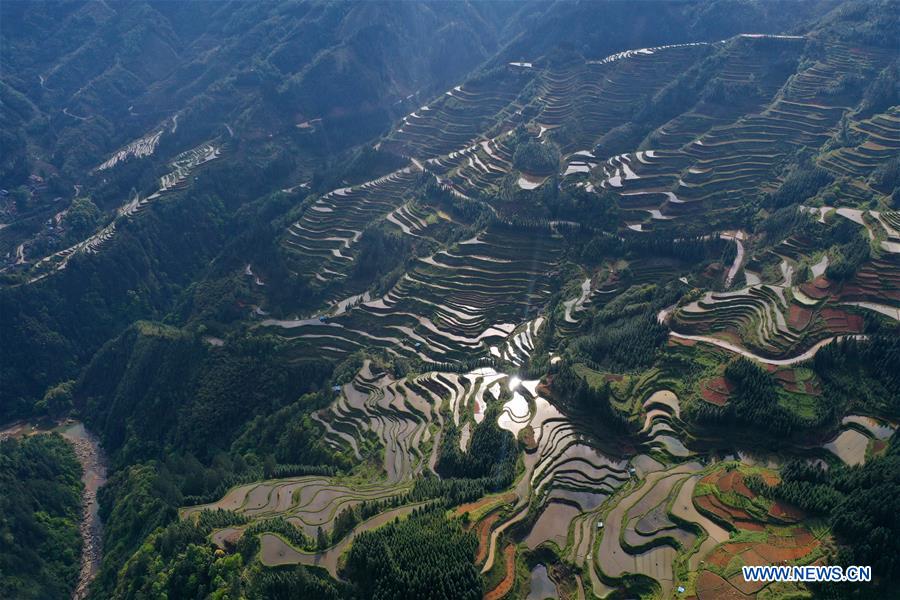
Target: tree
{"type": "Point", "coordinates": [21, 196]}
{"type": "Point", "coordinates": [269, 465]}
{"type": "Point", "coordinates": [57, 401]}
{"type": "Point", "coordinates": [82, 217]}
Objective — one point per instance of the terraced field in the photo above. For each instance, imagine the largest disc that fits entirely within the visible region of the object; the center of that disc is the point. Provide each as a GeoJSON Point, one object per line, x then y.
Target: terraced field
{"type": "Point", "coordinates": [453, 304]}
{"type": "Point", "coordinates": [399, 413]}
{"type": "Point", "coordinates": [784, 320]}
{"type": "Point", "coordinates": [454, 120]}
{"type": "Point", "coordinates": [882, 142]}
{"type": "Point", "coordinates": [565, 482]}
{"type": "Point", "coordinates": [657, 503]}
{"type": "Point", "coordinates": [766, 533]}
{"type": "Point", "coordinates": [321, 243]}
{"type": "Point", "coordinates": [183, 166]}
{"type": "Point", "coordinates": [306, 502]}
{"type": "Point", "coordinates": [724, 160]}
{"type": "Point", "coordinates": [275, 551]}
{"type": "Point", "coordinates": [860, 438]}
{"type": "Point", "coordinates": [601, 94]}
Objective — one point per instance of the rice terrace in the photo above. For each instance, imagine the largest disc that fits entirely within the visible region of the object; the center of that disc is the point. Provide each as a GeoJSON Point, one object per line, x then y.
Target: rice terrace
{"type": "Point", "coordinates": [449, 300]}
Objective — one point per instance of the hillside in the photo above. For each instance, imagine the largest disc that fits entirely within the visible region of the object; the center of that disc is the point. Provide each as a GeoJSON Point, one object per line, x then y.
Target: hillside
{"type": "Point", "coordinates": [469, 299]}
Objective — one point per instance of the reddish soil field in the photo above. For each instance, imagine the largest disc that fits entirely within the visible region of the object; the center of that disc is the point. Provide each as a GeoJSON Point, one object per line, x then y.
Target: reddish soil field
{"type": "Point", "coordinates": [798, 317]}
{"type": "Point", "coordinates": [749, 525]}
{"type": "Point", "coordinates": [786, 376]}
{"type": "Point", "coordinates": [719, 558]}
{"type": "Point", "coordinates": [821, 282]}
{"type": "Point", "coordinates": [839, 321]}
{"type": "Point", "coordinates": [798, 388]}
{"type": "Point", "coordinates": [712, 587]}
{"type": "Point", "coordinates": [740, 486]}
{"type": "Point", "coordinates": [472, 506]}
{"type": "Point", "coordinates": [814, 292]}
{"type": "Point", "coordinates": [713, 397]}
{"type": "Point", "coordinates": [738, 517]}
{"type": "Point", "coordinates": [673, 341]}
{"type": "Point", "coordinates": [729, 481]}
{"type": "Point", "coordinates": [775, 550]}
{"type": "Point", "coordinates": [773, 554]}
{"type": "Point", "coordinates": [716, 390]}
{"type": "Point", "coordinates": [726, 481]}
{"type": "Point", "coordinates": [855, 291]}
{"type": "Point", "coordinates": [483, 529]}
{"type": "Point", "coordinates": [788, 381]}
{"type": "Point", "coordinates": [813, 387]}
{"type": "Point", "coordinates": [509, 557]}
{"type": "Point", "coordinates": [785, 512]}
{"type": "Point", "coordinates": [723, 554]}
{"type": "Point", "coordinates": [721, 384]}
{"type": "Point", "coordinates": [749, 588]}
{"type": "Point", "coordinates": [770, 478]}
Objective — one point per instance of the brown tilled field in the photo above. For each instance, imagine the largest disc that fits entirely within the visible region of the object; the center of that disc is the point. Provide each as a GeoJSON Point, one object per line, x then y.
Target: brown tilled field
{"type": "Point", "coordinates": [509, 559]}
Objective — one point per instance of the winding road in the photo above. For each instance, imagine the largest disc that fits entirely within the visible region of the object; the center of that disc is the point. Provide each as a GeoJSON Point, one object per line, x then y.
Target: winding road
{"type": "Point", "coordinates": [769, 361]}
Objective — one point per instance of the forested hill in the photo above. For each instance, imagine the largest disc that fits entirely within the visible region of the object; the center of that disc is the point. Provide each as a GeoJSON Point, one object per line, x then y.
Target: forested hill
{"type": "Point", "coordinates": [40, 497]}
{"type": "Point", "coordinates": [282, 91]}
{"type": "Point", "coordinates": [82, 78]}
{"type": "Point", "coordinates": [283, 87]}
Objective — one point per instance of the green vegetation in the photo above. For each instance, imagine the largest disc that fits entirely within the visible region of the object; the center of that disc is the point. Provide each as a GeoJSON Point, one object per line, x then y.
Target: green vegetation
{"type": "Point", "coordinates": [568, 387]}
{"type": "Point", "coordinates": [155, 385]}
{"type": "Point", "coordinates": [40, 508]}
{"type": "Point", "coordinates": [177, 561]}
{"type": "Point", "coordinates": [861, 505]}
{"type": "Point", "coordinates": [625, 346]}
{"type": "Point", "coordinates": [861, 373]}
{"type": "Point", "coordinates": [423, 556]}
{"type": "Point", "coordinates": [491, 455]}
{"type": "Point", "coordinates": [534, 157]}
{"type": "Point", "coordinates": [848, 258]}
{"type": "Point", "coordinates": [800, 185]}
{"type": "Point", "coordinates": [756, 403]}
{"type": "Point", "coordinates": [352, 270]}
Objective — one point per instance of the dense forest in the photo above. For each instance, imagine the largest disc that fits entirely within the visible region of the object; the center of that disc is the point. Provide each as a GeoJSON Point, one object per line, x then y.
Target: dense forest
{"type": "Point", "coordinates": [423, 556]}
{"type": "Point", "coordinates": [40, 508]}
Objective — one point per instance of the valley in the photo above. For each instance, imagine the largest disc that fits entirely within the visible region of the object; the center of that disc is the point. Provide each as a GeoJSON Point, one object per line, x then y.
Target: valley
{"type": "Point", "coordinates": [577, 320]}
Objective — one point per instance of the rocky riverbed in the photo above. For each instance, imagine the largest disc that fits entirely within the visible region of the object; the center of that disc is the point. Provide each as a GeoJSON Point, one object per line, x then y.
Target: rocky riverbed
{"type": "Point", "coordinates": [93, 466]}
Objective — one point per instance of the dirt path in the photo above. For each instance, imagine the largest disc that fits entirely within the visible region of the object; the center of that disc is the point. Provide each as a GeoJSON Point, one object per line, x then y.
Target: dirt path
{"type": "Point", "coordinates": [769, 361]}
{"type": "Point", "coordinates": [580, 587]}
{"type": "Point", "coordinates": [484, 532]}
{"type": "Point", "coordinates": [509, 557]}
{"type": "Point", "coordinates": [737, 237]}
